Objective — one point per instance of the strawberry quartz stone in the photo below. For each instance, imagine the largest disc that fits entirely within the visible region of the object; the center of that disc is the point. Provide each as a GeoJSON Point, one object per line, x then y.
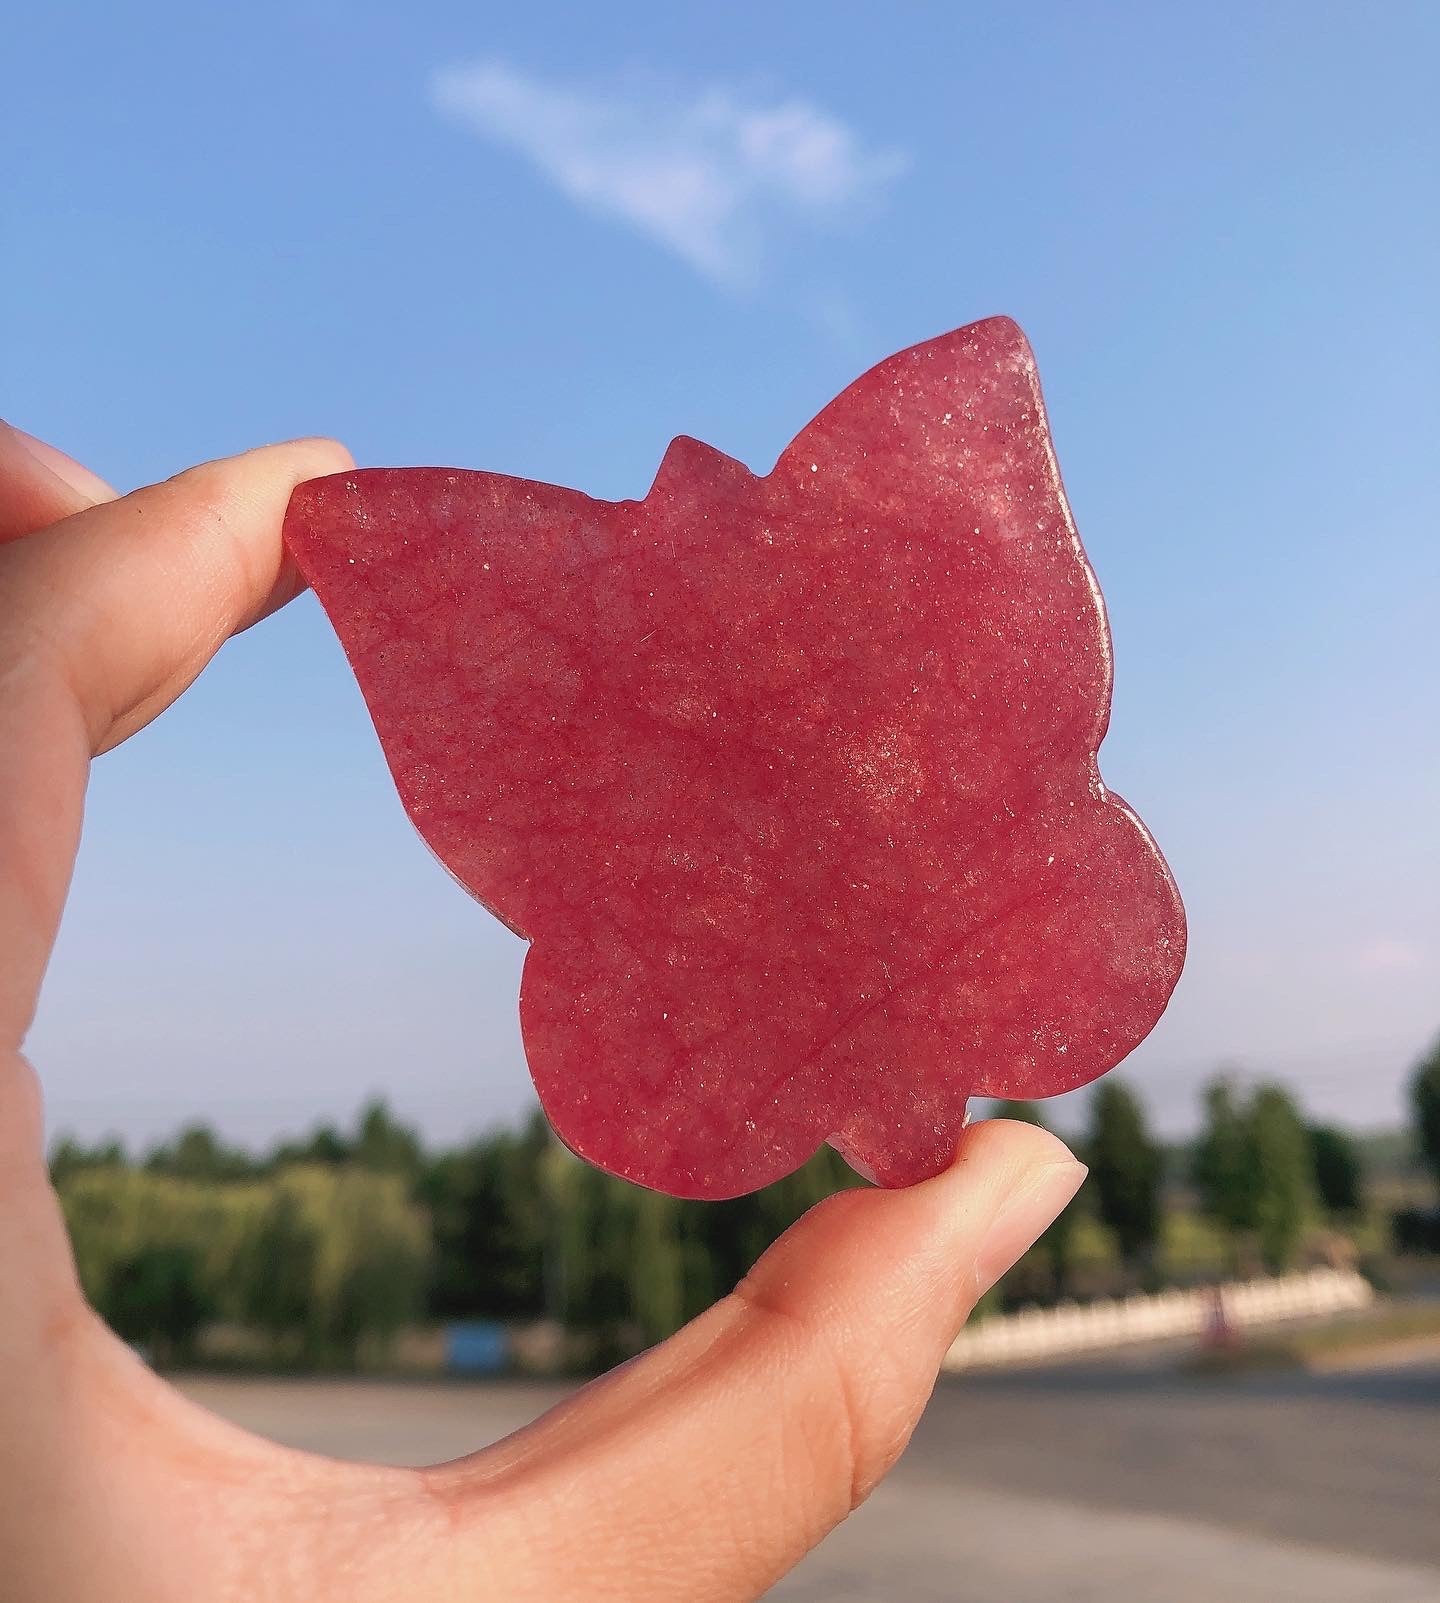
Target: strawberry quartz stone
{"type": "Point", "coordinates": [789, 781]}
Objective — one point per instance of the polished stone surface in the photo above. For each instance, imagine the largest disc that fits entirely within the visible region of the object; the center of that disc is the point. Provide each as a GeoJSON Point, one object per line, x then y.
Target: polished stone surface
{"type": "Point", "coordinates": [789, 780]}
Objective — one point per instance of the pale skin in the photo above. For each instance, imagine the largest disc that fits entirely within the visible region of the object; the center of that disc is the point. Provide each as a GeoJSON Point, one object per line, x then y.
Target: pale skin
{"type": "Point", "coordinates": [702, 1471]}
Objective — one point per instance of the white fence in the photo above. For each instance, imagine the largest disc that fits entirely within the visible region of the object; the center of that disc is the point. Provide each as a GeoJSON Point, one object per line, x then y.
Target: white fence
{"type": "Point", "coordinates": [1073, 1327]}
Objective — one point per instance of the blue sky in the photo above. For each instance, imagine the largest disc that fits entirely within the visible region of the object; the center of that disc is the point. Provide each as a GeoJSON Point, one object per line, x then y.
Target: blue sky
{"type": "Point", "coordinates": [544, 239]}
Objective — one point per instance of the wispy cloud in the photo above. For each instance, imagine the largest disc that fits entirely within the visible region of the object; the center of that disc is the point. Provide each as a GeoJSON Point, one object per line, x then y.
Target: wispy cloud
{"type": "Point", "coordinates": [712, 175]}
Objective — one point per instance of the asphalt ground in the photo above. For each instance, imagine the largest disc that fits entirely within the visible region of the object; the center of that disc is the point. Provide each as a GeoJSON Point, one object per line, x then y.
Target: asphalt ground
{"type": "Point", "coordinates": [1115, 1480]}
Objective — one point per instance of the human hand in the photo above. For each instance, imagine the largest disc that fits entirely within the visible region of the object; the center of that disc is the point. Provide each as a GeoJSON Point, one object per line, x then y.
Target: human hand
{"type": "Point", "coordinates": [701, 1471]}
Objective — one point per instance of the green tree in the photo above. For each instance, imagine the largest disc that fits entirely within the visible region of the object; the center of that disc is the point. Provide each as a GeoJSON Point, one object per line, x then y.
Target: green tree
{"type": "Point", "coordinates": [114, 1214]}
{"type": "Point", "coordinates": [381, 1282]}
{"type": "Point", "coordinates": [1339, 1174]}
{"type": "Point", "coordinates": [157, 1299]}
{"type": "Point", "coordinates": [197, 1153]}
{"type": "Point", "coordinates": [384, 1144]}
{"type": "Point", "coordinates": [69, 1157]}
{"type": "Point", "coordinates": [337, 1264]}
{"type": "Point", "coordinates": [1055, 1250]}
{"type": "Point", "coordinates": [1285, 1179]}
{"type": "Point", "coordinates": [591, 1262]}
{"type": "Point", "coordinates": [659, 1257]}
{"type": "Point", "coordinates": [490, 1216]}
{"type": "Point", "coordinates": [279, 1276]}
{"type": "Point", "coordinates": [630, 1265]}
{"type": "Point", "coordinates": [1425, 1103]}
{"type": "Point", "coordinates": [324, 1145]}
{"type": "Point", "coordinates": [1126, 1168]}
{"type": "Point", "coordinates": [1222, 1169]}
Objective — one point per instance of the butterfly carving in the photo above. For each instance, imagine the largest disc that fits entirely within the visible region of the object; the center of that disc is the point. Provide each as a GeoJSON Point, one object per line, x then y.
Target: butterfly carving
{"type": "Point", "coordinates": [789, 780]}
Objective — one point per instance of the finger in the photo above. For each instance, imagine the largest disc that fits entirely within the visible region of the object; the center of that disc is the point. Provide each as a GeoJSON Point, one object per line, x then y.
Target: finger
{"type": "Point", "coordinates": [39, 485]}
{"type": "Point", "coordinates": [103, 622]}
{"type": "Point", "coordinates": [105, 616]}
{"type": "Point", "coordinates": [705, 1469]}
{"type": "Point", "coordinates": [132, 598]}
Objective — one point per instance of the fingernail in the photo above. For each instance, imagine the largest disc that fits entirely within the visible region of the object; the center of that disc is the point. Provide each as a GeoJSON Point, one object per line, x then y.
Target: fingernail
{"type": "Point", "coordinates": [1024, 1217]}
{"type": "Point", "coordinates": [70, 473]}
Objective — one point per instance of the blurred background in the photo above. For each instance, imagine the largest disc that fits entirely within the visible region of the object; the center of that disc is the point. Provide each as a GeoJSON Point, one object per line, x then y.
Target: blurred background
{"type": "Point", "coordinates": [293, 1129]}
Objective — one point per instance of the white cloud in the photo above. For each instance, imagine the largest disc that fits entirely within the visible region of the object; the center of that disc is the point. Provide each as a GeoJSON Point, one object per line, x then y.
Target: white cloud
{"type": "Point", "coordinates": [711, 176]}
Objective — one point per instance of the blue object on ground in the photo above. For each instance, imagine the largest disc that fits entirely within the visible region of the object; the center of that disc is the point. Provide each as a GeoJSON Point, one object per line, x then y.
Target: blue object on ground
{"type": "Point", "coordinates": [478, 1347]}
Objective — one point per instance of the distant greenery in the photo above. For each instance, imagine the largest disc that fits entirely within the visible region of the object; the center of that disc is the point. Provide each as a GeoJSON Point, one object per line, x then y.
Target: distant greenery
{"type": "Point", "coordinates": [332, 1245]}
{"type": "Point", "coordinates": [1265, 1178]}
{"type": "Point", "coordinates": [1126, 1165]}
{"type": "Point", "coordinates": [1339, 1169]}
{"type": "Point", "coordinates": [157, 1296]}
{"type": "Point", "coordinates": [327, 1248]}
{"type": "Point", "coordinates": [1284, 1195]}
{"type": "Point", "coordinates": [1425, 1103]}
{"type": "Point", "coordinates": [1057, 1251]}
{"type": "Point", "coordinates": [331, 1263]}
{"type": "Point", "coordinates": [1224, 1169]}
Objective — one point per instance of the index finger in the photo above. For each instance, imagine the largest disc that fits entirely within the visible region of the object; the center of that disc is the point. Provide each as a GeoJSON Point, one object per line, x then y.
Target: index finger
{"type": "Point", "coordinates": [104, 621]}
{"type": "Point", "coordinates": [39, 485]}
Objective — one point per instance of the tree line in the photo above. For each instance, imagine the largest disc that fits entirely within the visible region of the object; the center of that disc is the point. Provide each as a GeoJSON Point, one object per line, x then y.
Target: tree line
{"type": "Point", "coordinates": [330, 1246]}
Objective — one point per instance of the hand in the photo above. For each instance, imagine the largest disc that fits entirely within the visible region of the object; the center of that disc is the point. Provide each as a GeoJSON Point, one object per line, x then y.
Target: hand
{"type": "Point", "coordinates": [701, 1471]}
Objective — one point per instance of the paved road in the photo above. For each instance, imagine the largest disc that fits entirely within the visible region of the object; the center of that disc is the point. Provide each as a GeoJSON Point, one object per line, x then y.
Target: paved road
{"type": "Point", "coordinates": [1344, 1461]}
{"type": "Point", "coordinates": [1114, 1481]}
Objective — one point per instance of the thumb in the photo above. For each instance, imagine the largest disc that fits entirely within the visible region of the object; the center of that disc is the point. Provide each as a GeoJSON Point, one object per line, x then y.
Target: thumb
{"type": "Point", "coordinates": [708, 1467]}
